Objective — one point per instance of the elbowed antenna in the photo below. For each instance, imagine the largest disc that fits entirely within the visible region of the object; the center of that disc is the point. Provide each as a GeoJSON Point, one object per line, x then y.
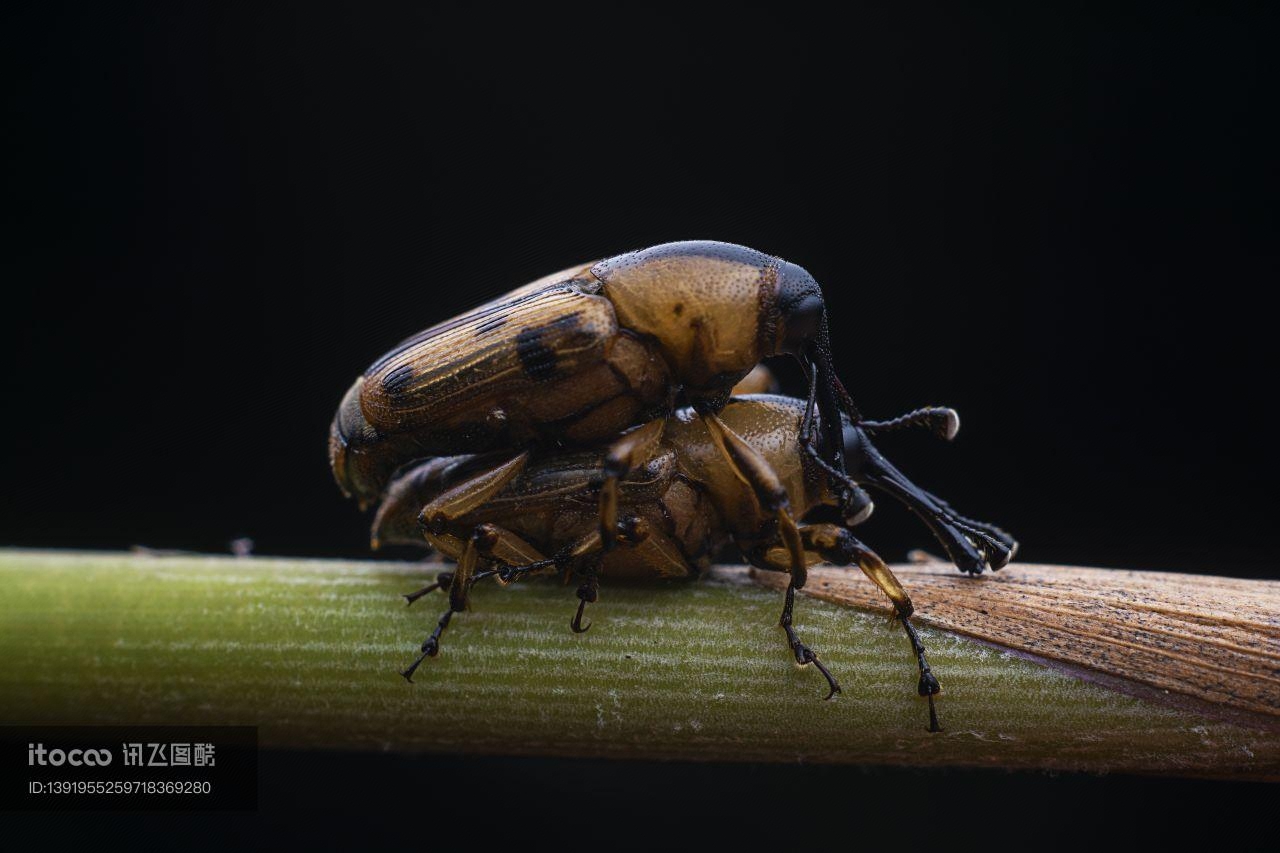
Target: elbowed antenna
{"type": "Point", "coordinates": [833, 399]}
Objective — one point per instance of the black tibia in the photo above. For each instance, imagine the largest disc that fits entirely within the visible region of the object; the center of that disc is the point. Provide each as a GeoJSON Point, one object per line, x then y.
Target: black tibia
{"type": "Point", "coordinates": [588, 593]}
{"type": "Point", "coordinates": [630, 530]}
{"type": "Point", "coordinates": [971, 545]}
{"type": "Point", "coordinates": [830, 396]}
{"type": "Point", "coordinates": [511, 574]}
{"type": "Point", "coordinates": [1006, 546]}
{"type": "Point", "coordinates": [804, 654]}
{"type": "Point", "coordinates": [928, 686]}
{"type": "Point", "coordinates": [431, 646]}
{"type": "Point", "coordinates": [443, 580]}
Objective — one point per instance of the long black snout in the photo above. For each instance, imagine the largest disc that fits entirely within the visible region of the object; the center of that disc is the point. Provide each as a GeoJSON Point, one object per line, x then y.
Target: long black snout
{"type": "Point", "coordinates": [971, 545]}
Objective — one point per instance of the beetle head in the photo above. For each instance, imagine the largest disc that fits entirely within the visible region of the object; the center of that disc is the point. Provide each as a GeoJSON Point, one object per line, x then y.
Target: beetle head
{"type": "Point", "coordinates": [803, 332]}
{"type": "Point", "coordinates": [970, 544]}
{"type": "Point", "coordinates": [801, 309]}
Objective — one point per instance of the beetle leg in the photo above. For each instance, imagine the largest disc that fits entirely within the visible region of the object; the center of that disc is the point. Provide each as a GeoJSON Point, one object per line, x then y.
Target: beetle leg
{"type": "Point", "coordinates": [971, 545]}
{"type": "Point", "coordinates": [459, 588]}
{"type": "Point", "coordinates": [755, 471]}
{"type": "Point", "coordinates": [588, 550]}
{"type": "Point", "coordinates": [511, 573]}
{"type": "Point", "coordinates": [928, 686]}
{"type": "Point", "coordinates": [804, 654]}
{"type": "Point", "coordinates": [588, 593]}
{"type": "Point", "coordinates": [631, 531]}
{"type": "Point", "coordinates": [470, 494]}
{"type": "Point", "coordinates": [837, 545]}
{"type": "Point", "coordinates": [442, 582]}
{"type": "Point", "coordinates": [511, 550]}
{"type": "Point", "coordinates": [431, 646]}
{"type": "Point", "coordinates": [877, 471]}
{"type": "Point", "coordinates": [998, 546]}
{"type": "Point", "coordinates": [808, 421]}
{"type": "Point", "coordinates": [486, 541]}
{"type": "Point", "coordinates": [778, 560]}
{"type": "Point", "coordinates": [841, 547]}
{"type": "Point", "coordinates": [621, 458]}
{"type": "Point", "coordinates": [561, 561]}
{"type": "Point", "coordinates": [831, 398]}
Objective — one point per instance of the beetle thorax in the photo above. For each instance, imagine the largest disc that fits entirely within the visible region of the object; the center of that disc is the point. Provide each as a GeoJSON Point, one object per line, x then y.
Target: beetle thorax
{"type": "Point", "coordinates": [710, 307]}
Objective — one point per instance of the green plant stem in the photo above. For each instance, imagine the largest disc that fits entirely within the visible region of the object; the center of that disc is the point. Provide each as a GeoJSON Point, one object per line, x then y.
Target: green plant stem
{"type": "Point", "coordinates": [310, 650]}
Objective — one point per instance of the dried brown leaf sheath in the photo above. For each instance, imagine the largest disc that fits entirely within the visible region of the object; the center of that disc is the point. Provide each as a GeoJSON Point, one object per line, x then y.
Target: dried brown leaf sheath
{"type": "Point", "coordinates": [1212, 638]}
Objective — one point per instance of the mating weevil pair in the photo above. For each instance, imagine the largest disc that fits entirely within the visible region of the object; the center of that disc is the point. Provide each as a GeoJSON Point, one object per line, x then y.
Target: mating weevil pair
{"type": "Point", "coordinates": [584, 424]}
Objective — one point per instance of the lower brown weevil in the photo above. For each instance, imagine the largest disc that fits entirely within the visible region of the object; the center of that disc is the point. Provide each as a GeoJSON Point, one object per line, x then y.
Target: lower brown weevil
{"type": "Point", "coordinates": [678, 508]}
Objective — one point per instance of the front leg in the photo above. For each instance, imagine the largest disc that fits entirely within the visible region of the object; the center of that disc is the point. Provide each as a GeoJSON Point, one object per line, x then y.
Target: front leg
{"type": "Point", "coordinates": [837, 545]}
{"type": "Point", "coordinates": [758, 475]}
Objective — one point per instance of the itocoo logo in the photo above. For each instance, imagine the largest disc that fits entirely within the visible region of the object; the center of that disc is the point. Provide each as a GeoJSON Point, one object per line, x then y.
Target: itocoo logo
{"type": "Point", "coordinates": [37, 754]}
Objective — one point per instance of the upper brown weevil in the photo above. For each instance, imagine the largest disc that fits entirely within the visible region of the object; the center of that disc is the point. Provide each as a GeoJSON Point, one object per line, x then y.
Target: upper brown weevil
{"type": "Point", "coordinates": [581, 356]}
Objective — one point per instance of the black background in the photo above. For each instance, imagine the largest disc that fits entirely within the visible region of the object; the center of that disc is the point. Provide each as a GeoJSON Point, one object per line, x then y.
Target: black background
{"type": "Point", "coordinates": [1062, 225]}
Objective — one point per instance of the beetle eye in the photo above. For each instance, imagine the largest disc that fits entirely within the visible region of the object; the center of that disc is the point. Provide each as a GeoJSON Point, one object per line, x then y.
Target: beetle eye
{"type": "Point", "coordinates": [800, 306]}
{"type": "Point", "coordinates": [858, 507]}
{"type": "Point", "coordinates": [803, 320]}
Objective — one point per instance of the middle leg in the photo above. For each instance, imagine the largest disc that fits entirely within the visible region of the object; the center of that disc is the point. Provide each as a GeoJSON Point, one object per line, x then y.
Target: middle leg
{"type": "Point", "coordinates": [776, 559]}
{"type": "Point", "coordinates": [487, 541]}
